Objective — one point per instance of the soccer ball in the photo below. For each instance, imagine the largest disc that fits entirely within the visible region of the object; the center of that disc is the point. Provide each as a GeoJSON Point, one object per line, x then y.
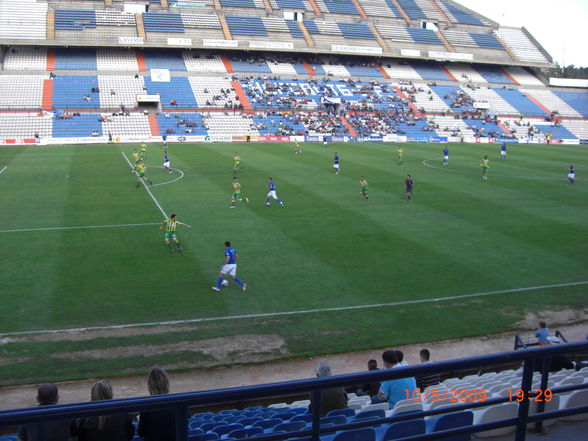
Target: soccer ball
{"type": "Point", "coordinates": [225, 283]}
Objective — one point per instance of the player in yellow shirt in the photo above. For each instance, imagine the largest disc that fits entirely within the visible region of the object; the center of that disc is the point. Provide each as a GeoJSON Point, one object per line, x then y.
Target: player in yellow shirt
{"type": "Point", "coordinates": [236, 187]}
{"type": "Point", "coordinates": [363, 188]}
{"type": "Point", "coordinates": [143, 150]}
{"type": "Point", "coordinates": [170, 226]}
{"type": "Point", "coordinates": [400, 152]}
{"type": "Point", "coordinates": [236, 163]}
{"type": "Point", "coordinates": [142, 174]}
{"type": "Point", "coordinates": [136, 159]}
{"type": "Point", "coordinates": [297, 148]}
{"type": "Point", "coordinates": [485, 166]}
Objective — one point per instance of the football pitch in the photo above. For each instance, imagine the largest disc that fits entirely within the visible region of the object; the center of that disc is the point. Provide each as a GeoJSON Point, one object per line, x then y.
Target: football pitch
{"type": "Point", "coordinates": [89, 289]}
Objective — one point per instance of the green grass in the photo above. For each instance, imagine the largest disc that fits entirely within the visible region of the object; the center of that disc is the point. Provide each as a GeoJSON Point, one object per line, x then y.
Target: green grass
{"type": "Point", "coordinates": [526, 226]}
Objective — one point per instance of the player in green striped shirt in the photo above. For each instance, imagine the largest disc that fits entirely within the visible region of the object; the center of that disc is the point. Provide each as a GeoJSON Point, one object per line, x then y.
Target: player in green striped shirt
{"type": "Point", "coordinates": [170, 226]}
{"type": "Point", "coordinates": [363, 185]}
{"type": "Point", "coordinates": [142, 174]}
{"type": "Point", "coordinates": [236, 193]}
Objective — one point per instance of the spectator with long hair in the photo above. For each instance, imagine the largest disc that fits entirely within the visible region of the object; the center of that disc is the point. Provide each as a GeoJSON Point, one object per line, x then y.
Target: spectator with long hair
{"type": "Point", "coordinates": [157, 425]}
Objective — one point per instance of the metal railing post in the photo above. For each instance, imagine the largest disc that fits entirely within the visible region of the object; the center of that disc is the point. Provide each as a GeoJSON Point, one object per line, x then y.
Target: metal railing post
{"type": "Point", "coordinates": [315, 399]}
{"type": "Point", "coordinates": [527, 382]}
{"type": "Point", "coordinates": [181, 421]}
{"type": "Point", "coordinates": [544, 381]}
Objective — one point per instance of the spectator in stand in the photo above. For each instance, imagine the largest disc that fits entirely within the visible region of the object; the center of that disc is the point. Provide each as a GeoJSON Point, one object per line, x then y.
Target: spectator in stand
{"type": "Point", "coordinates": [371, 389]}
{"type": "Point", "coordinates": [558, 362]}
{"type": "Point", "coordinates": [395, 390]}
{"type": "Point", "coordinates": [542, 333]}
{"type": "Point", "coordinates": [157, 425]}
{"type": "Point", "coordinates": [47, 395]}
{"type": "Point", "coordinates": [105, 427]}
{"type": "Point", "coordinates": [331, 399]}
{"type": "Point", "coordinates": [427, 380]}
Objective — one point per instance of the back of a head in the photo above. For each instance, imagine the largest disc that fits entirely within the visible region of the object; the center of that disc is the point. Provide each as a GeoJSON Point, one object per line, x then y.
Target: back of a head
{"type": "Point", "coordinates": [158, 381]}
{"type": "Point", "coordinates": [323, 369]}
{"type": "Point", "coordinates": [372, 365]}
{"type": "Point", "coordinates": [101, 390]}
{"type": "Point", "coordinates": [47, 394]}
{"type": "Point", "coordinates": [425, 354]}
{"type": "Point", "coordinates": [399, 355]}
{"type": "Point", "coordinates": [542, 324]}
{"type": "Point", "coordinates": [390, 357]}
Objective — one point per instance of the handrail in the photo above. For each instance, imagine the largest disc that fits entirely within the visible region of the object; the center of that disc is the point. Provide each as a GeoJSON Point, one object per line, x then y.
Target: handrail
{"type": "Point", "coordinates": [181, 401]}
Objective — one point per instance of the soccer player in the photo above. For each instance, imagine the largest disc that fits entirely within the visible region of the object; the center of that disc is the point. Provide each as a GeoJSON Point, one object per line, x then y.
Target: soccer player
{"type": "Point", "coordinates": [325, 144]}
{"type": "Point", "coordinates": [142, 174]}
{"type": "Point", "coordinates": [170, 226]}
{"type": "Point", "coordinates": [363, 188]}
{"type": "Point", "coordinates": [572, 174]}
{"type": "Point", "coordinates": [236, 163]}
{"type": "Point", "coordinates": [400, 152]}
{"type": "Point", "coordinates": [409, 184]}
{"type": "Point", "coordinates": [297, 148]}
{"type": "Point", "coordinates": [445, 156]}
{"type": "Point", "coordinates": [143, 147]}
{"type": "Point", "coordinates": [164, 139]}
{"type": "Point", "coordinates": [230, 268]}
{"type": "Point", "coordinates": [136, 159]}
{"type": "Point", "coordinates": [503, 151]}
{"type": "Point", "coordinates": [236, 193]}
{"type": "Point", "coordinates": [336, 163]}
{"type": "Point", "coordinates": [271, 185]}
{"type": "Point", "coordinates": [485, 166]}
{"type": "Point", "coordinates": [166, 162]}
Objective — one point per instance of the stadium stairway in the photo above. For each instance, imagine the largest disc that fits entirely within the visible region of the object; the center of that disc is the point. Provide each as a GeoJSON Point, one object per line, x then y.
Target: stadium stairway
{"type": "Point", "coordinates": [308, 68]}
{"type": "Point", "coordinates": [379, 38]}
{"type": "Point", "coordinates": [414, 108]}
{"type": "Point", "coordinates": [445, 42]}
{"type": "Point", "coordinates": [402, 11]}
{"type": "Point", "coordinates": [504, 128]}
{"type": "Point", "coordinates": [449, 74]}
{"type": "Point", "coordinates": [350, 128]}
{"type": "Point", "coordinates": [50, 24]}
{"type": "Point", "coordinates": [510, 77]}
{"type": "Point", "coordinates": [241, 95]}
{"type": "Point", "coordinates": [141, 61]}
{"type": "Point", "coordinates": [538, 103]}
{"type": "Point", "coordinates": [50, 60]}
{"type": "Point", "coordinates": [307, 37]}
{"type": "Point", "coordinates": [360, 9]}
{"type": "Point", "coordinates": [225, 26]}
{"type": "Point", "coordinates": [315, 7]}
{"type": "Point", "coordinates": [47, 103]}
{"type": "Point", "coordinates": [382, 71]}
{"type": "Point", "coordinates": [441, 12]}
{"type": "Point", "coordinates": [154, 125]}
{"type": "Point", "coordinates": [227, 64]}
{"type": "Point", "coordinates": [140, 26]}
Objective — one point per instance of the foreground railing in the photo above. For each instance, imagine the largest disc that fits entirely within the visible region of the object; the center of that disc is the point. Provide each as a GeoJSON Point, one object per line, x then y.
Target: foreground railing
{"type": "Point", "coordinates": [530, 358]}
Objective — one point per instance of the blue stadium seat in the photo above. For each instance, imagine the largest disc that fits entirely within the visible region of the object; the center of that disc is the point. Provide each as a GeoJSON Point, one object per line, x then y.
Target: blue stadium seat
{"type": "Point", "coordinates": [74, 19]}
{"type": "Point", "coordinates": [520, 102]}
{"type": "Point", "coordinates": [294, 29]}
{"type": "Point", "coordinates": [424, 36]}
{"type": "Point", "coordinates": [246, 26]}
{"type": "Point", "coordinates": [487, 41]}
{"type": "Point", "coordinates": [243, 66]}
{"type": "Point", "coordinates": [245, 433]}
{"type": "Point", "coordinates": [285, 416]}
{"type": "Point", "coordinates": [394, 8]}
{"type": "Point", "coordinates": [69, 92]}
{"type": "Point", "coordinates": [291, 4]}
{"type": "Point", "coordinates": [335, 420]}
{"type": "Point", "coordinates": [248, 421]}
{"type": "Point", "coordinates": [341, 7]}
{"type": "Point", "coordinates": [77, 126]}
{"type": "Point", "coordinates": [429, 71]}
{"type": "Point", "coordinates": [227, 428]}
{"type": "Point", "coordinates": [412, 9]}
{"type": "Point", "coordinates": [171, 123]}
{"type": "Point", "coordinates": [210, 436]}
{"type": "Point", "coordinates": [356, 31]}
{"type": "Point", "coordinates": [292, 426]}
{"type": "Point", "coordinates": [557, 132]}
{"type": "Point", "coordinates": [267, 424]}
{"type": "Point", "coordinates": [451, 421]}
{"type": "Point", "coordinates": [403, 429]}
{"type": "Point", "coordinates": [160, 59]}
{"type": "Point", "coordinates": [493, 74]}
{"type": "Point", "coordinates": [377, 413]}
{"type": "Point", "coordinates": [349, 412]}
{"type": "Point", "coordinates": [75, 59]}
{"type": "Point", "coordinates": [304, 418]}
{"type": "Point", "coordinates": [462, 16]}
{"type": "Point", "coordinates": [577, 100]}
{"type": "Point", "coordinates": [160, 22]}
{"type": "Point", "coordinates": [311, 27]}
{"type": "Point", "coordinates": [366, 434]}
{"type": "Point", "coordinates": [238, 3]}
{"type": "Point", "coordinates": [364, 71]}
{"type": "Point", "coordinates": [207, 427]}
{"type": "Point", "coordinates": [178, 89]}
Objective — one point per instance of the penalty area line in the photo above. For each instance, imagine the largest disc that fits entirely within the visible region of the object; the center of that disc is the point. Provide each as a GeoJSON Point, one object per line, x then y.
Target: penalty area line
{"type": "Point", "coordinates": [146, 188]}
{"type": "Point", "coordinates": [80, 227]}
{"type": "Point", "coordinates": [3, 169]}
{"type": "Point", "coordinates": [289, 313]}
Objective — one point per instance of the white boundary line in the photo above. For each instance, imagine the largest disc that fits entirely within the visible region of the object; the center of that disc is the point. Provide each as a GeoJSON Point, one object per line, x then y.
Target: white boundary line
{"type": "Point", "coordinates": [146, 188]}
{"type": "Point", "coordinates": [81, 227]}
{"type": "Point", "coordinates": [3, 169]}
{"type": "Point", "coordinates": [173, 180]}
{"type": "Point", "coordinates": [287, 313]}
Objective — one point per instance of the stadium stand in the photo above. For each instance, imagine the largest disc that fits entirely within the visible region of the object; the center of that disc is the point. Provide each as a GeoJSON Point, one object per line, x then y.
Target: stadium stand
{"type": "Point", "coordinates": [24, 126]}
{"type": "Point", "coordinates": [521, 45]}
{"type": "Point", "coordinates": [21, 92]}
{"type": "Point", "coordinates": [493, 74]}
{"type": "Point", "coordinates": [181, 124]}
{"type": "Point", "coordinates": [26, 58]}
{"type": "Point", "coordinates": [158, 59]}
{"type": "Point", "coordinates": [251, 26]}
{"type": "Point", "coordinates": [119, 90]}
{"type": "Point", "coordinates": [116, 60]}
{"type": "Point", "coordinates": [379, 8]}
{"type": "Point", "coordinates": [75, 59]}
{"type": "Point", "coordinates": [74, 19]}
{"type": "Point", "coordinates": [520, 102]}
{"type": "Point", "coordinates": [552, 102]}
{"type": "Point", "coordinates": [75, 92]}
{"type": "Point", "coordinates": [23, 20]}
{"type": "Point", "coordinates": [132, 124]}
{"type": "Point", "coordinates": [82, 125]}
{"type": "Point", "coordinates": [196, 62]}
{"type": "Point", "coordinates": [175, 94]}
{"type": "Point", "coordinates": [577, 100]}
{"type": "Point", "coordinates": [457, 15]}
{"type": "Point", "coordinates": [522, 76]}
